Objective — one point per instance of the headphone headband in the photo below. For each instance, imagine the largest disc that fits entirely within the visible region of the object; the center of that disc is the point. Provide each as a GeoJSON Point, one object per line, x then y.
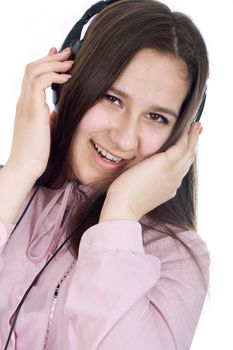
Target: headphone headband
{"type": "Point", "coordinates": [75, 33]}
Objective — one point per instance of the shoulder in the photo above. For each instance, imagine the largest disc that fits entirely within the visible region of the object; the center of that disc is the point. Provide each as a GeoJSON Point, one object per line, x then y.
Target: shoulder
{"type": "Point", "coordinates": [166, 239]}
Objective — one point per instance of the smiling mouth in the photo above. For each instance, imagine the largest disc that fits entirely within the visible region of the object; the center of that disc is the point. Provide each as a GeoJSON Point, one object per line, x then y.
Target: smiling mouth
{"type": "Point", "coordinates": [113, 159]}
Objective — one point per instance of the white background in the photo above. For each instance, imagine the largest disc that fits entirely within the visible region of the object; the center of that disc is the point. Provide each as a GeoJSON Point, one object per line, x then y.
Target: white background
{"type": "Point", "coordinates": [28, 29]}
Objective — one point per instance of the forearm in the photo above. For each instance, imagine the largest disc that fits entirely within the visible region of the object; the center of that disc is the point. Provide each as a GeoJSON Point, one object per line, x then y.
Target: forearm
{"type": "Point", "coordinates": [14, 189]}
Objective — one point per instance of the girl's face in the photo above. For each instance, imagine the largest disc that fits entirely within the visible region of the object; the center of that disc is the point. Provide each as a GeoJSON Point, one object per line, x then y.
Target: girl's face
{"type": "Point", "coordinates": [132, 121]}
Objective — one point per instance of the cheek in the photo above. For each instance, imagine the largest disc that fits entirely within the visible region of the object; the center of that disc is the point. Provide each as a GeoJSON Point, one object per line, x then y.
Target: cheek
{"type": "Point", "coordinates": [95, 120]}
{"type": "Point", "coordinates": [152, 143]}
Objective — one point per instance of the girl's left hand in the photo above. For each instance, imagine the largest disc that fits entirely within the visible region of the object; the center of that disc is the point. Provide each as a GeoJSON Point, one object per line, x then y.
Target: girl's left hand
{"type": "Point", "coordinates": [151, 182]}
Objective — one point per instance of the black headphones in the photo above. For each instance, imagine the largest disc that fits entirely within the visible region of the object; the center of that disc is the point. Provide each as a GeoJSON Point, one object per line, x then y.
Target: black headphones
{"type": "Point", "coordinates": [73, 41]}
{"type": "Point", "coordinates": [200, 109]}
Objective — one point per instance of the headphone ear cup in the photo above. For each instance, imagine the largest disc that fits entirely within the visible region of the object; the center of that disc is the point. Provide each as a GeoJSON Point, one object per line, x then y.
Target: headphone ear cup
{"type": "Point", "coordinates": [200, 110]}
{"type": "Point", "coordinates": [75, 47]}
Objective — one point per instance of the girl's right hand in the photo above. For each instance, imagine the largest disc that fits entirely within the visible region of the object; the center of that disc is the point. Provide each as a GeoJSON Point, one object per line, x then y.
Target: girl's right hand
{"type": "Point", "coordinates": [33, 121]}
{"type": "Point", "coordinates": [153, 181]}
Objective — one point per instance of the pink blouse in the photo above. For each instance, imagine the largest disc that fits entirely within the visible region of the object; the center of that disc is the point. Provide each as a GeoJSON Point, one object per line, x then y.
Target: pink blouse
{"type": "Point", "coordinates": [131, 287]}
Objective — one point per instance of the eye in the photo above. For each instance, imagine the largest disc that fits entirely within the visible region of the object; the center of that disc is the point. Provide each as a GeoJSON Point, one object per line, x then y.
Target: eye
{"type": "Point", "coordinates": [112, 99]}
{"type": "Point", "coordinates": [155, 117]}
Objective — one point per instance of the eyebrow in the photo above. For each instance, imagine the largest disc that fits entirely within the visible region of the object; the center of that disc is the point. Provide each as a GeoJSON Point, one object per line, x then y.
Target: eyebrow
{"type": "Point", "coordinates": [154, 107]}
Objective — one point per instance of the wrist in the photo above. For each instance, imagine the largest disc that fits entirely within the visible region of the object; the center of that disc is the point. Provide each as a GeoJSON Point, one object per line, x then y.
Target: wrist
{"type": "Point", "coordinates": [116, 210]}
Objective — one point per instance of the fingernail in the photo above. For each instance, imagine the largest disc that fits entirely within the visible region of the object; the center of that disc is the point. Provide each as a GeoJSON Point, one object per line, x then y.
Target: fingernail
{"type": "Point", "coordinates": [52, 49]}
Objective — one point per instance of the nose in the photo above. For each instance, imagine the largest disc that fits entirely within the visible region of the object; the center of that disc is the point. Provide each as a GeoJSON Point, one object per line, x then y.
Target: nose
{"type": "Point", "coordinates": [125, 135]}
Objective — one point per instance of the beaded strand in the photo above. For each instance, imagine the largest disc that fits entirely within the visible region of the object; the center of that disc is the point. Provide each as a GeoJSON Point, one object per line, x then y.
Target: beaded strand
{"type": "Point", "coordinates": [54, 303]}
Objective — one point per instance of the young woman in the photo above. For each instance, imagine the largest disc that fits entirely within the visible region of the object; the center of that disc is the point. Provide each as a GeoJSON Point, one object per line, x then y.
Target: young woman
{"type": "Point", "coordinates": [98, 230]}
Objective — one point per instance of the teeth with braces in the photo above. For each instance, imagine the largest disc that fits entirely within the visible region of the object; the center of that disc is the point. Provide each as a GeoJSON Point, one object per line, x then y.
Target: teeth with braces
{"type": "Point", "coordinates": [107, 155]}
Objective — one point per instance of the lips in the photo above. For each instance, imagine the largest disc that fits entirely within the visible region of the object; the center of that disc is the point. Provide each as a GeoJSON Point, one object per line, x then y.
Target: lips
{"type": "Point", "coordinates": [105, 164]}
{"type": "Point", "coordinates": [113, 158]}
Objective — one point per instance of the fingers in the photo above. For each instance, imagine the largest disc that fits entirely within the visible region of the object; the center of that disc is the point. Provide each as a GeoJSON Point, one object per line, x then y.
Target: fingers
{"type": "Point", "coordinates": [54, 55]}
{"type": "Point", "coordinates": [41, 74]}
{"type": "Point", "coordinates": [39, 85]}
{"type": "Point", "coordinates": [193, 134]}
{"type": "Point", "coordinates": [177, 151]}
{"type": "Point", "coordinates": [184, 150]}
{"type": "Point", "coordinates": [56, 62]}
{"type": "Point", "coordinates": [190, 152]}
{"type": "Point", "coordinates": [34, 71]}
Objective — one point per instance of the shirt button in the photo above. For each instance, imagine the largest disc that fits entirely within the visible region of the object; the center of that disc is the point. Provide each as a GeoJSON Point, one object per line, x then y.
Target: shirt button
{"type": "Point", "coordinates": [87, 244]}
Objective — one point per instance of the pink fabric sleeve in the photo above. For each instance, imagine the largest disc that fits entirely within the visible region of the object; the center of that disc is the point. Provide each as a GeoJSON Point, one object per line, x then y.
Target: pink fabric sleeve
{"type": "Point", "coordinates": [122, 297]}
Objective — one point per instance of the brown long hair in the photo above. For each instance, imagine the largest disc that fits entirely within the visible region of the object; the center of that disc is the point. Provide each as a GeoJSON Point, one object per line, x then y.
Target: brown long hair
{"type": "Point", "coordinates": [110, 42]}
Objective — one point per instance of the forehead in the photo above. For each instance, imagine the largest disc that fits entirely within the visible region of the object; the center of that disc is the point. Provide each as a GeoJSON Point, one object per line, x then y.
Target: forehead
{"type": "Point", "coordinates": [155, 76]}
{"type": "Point", "coordinates": [150, 63]}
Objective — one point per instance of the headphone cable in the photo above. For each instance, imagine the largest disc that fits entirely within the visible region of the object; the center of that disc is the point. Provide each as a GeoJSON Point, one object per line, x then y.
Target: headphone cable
{"type": "Point", "coordinates": [35, 280]}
